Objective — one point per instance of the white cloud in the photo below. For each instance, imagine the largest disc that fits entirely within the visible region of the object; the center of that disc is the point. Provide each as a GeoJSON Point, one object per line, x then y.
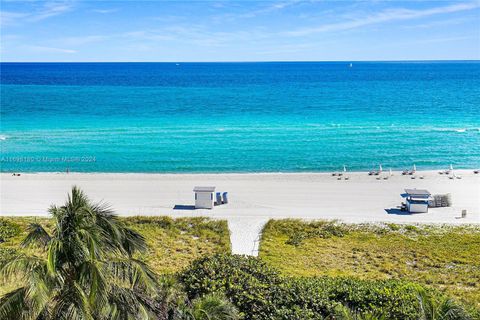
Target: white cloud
{"type": "Point", "coordinates": [271, 8]}
{"type": "Point", "coordinates": [8, 37]}
{"type": "Point", "coordinates": [51, 9]}
{"type": "Point", "coordinates": [42, 49]}
{"type": "Point", "coordinates": [449, 39]}
{"type": "Point", "coordinates": [105, 11]}
{"type": "Point", "coordinates": [82, 40]}
{"type": "Point", "coordinates": [205, 36]}
{"type": "Point", "coordinates": [439, 40]}
{"type": "Point", "coordinates": [276, 6]}
{"type": "Point", "coordinates": [47, 10]}
{"type": "Point", "coordinates": [384, 16]}
{"type": "Point", "coordinates": [148, 35]}
{"type": "Point", "coordinates": [440, 23]}
{"type": "Point", "coordinates": [289, 48]}
{"type": "Point", "coordinates": [10, 18]}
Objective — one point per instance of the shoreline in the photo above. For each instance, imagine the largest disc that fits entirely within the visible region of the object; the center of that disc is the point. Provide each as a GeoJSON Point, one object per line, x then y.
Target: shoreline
{"type": "Point", "coordinates": [266, 173]}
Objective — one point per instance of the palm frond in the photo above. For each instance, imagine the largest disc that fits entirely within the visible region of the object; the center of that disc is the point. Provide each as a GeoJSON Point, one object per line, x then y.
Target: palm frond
{"type": "Point", "coordinates": [13, 304]}
{"type": "Point", "coordinates": [437, 308]}
{"type": "Point", "coordinates": [76, 200]}
{"type": "Point", "coordinates": [108, 224]}
{"type": "Point", "coordinates": [37, 235]}
{"type": "Point", "coordinates": [19, 266]}
{"type": "Point", "coordinates": [448, 309]}
{"type": "Point", "coordinates": [54, 251]}
{"type": "Point", "coordinates": [133, 241]}
{"type": "Point", "coordinates": [39, 290]}
{"type": "Point", "coordinates": [72, 303]}
{"type": "Point", "coordinates": [104, 210]}
{"type": "Point", "coordinates": [92, 278]}
{"type": "Point", "coordinates": [125, 304]}
{"type": "Point", "coordinates": [92, 243]}
{"type": "Point", "coordinates": [54, 211]}
{"type": "Point", "coordinates": [214, 307]}
{"type": "Point", "coordinates": [31, 271]}
{"type": "Point", "coordinates": [133, 272]}
{"type": "Point", "coordinates": [426, 304]}
{"type": "Point", "coordinates": [170, 290]}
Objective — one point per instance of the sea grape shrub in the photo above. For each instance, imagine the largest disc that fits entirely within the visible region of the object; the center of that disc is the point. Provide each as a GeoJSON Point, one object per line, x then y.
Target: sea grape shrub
{"type": "Point", "coordinates": [246, 281]}
{"type": "Point", "coordinates": [391, 298]}
{"type": "Point", "coordinates": [259, 292]}
{"type": "Point", "coordinates": [325, 296]}
{"type": "Point", "coordinates": [8, 230]}
{"type": "Point", "coordinates": [296, 300]}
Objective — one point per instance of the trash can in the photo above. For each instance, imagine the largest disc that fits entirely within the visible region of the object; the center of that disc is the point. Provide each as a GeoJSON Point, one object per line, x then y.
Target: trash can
{"type": "Point", "coordinates": [219, 198]}
{"type": "Point", "coordinates": [225, 197]}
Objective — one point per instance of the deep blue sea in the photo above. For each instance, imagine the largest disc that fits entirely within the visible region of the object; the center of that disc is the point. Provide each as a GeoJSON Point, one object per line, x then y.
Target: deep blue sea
{"type": "Point", "coordinates": [239, 117]}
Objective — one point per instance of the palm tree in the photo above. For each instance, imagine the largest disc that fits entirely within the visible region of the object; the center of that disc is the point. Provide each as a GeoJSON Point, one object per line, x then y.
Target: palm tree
{"type": "Point", "coordinates": [174, 304]}
{"type": "Point", "coordinates": [172, 300]}
{"type": "Point", "coordinates": [438, 308]}
{"type": "Point", "coordinates": [213, 307]}
{"type": "Point", "coordinates": [88, 271]}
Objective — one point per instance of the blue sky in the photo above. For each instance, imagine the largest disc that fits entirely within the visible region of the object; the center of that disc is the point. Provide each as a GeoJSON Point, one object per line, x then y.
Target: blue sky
{"type": "Point", "coordinates": [239, 31]}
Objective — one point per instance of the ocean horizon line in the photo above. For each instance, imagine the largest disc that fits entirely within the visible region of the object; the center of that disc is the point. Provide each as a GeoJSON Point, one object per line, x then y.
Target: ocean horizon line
{"type": "Point", "coordinates": [259, 61]}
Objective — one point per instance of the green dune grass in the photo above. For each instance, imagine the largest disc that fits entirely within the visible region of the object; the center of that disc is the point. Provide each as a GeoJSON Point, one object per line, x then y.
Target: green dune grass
{"type": "Point", "coordinates": [443, 257]}
{"type": "Point", "coordinates": [172, 243]}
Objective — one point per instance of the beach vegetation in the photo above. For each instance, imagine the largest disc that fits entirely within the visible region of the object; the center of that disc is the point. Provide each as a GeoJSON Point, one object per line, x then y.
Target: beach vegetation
{"type": "Point", "coordinates": [172, 244]}
{"type": "Point", "coordinates": [8, 229]}
{"type": "Point", "coordinates": [261, 292]}
{"type": "Point", "coordinates": [213, 307]}
{"type": "Point", "coordinates": [443, 257]}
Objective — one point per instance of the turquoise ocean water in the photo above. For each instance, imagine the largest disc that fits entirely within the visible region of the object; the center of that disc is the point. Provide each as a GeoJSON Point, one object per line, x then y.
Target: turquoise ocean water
{"type": "Point", "coordinates": [239, 117]}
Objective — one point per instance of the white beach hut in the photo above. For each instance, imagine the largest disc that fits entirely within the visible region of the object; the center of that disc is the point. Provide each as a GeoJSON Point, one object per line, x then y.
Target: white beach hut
{"type": "Point", "coordinates": [417, 200]}
{"type": "Point", "coordinates": [204, 197]}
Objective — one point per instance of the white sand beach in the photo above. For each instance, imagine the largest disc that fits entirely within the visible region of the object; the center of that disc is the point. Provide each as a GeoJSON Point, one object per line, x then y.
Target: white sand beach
{"type": "Point", "coordinates": [254, 198]}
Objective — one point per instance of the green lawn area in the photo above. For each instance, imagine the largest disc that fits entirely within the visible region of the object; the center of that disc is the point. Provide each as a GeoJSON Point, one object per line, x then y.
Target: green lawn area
{"type": "Point", "coordinates": [443, 257]}
{"type": "Point", "coordinates": [173, 243]}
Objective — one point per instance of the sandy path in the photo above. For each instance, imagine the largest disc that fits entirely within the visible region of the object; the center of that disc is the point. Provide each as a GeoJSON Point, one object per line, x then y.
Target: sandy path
{"type": "Point", "coordinates": [254, 198]}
